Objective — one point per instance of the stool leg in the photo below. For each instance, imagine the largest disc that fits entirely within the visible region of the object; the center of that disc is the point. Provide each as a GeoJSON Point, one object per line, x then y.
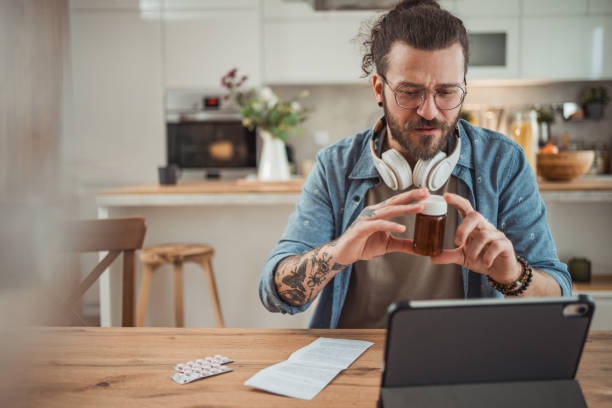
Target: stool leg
{"type": "Point", "coordinates": [145, 289]}
{"type": "Point", "coordinates": [178, 294]}
{"type": "Point", "coordinates": [212, 287]}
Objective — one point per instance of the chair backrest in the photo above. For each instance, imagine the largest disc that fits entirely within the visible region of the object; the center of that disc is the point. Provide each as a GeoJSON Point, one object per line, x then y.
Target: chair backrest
{"type": "Point", "coordinates": [115, 235]}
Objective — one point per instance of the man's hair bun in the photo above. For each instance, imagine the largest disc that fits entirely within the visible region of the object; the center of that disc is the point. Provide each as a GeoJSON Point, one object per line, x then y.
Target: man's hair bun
{"type": "Point", "coordinates": [406, 4]}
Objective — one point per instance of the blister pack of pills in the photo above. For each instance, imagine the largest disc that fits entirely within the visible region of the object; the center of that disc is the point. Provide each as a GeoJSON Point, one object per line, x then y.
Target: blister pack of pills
{"type": "Point", "coordinates": [201, 368]}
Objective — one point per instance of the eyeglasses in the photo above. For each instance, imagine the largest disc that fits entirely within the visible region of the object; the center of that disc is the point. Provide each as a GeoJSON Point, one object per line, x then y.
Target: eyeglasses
{"type": "Point", "coordinates": [412, 97]}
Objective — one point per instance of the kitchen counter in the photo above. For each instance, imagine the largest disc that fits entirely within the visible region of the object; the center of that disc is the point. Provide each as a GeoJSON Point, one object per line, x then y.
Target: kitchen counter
{"type": "Point", "coordinates": [204, 192]}
{"type": "Point", "coordinates": [582, 189]}
{"type": "Point", "coordinates": [243, 219]}
{"type": "Point", "coordinates": [249, 192]}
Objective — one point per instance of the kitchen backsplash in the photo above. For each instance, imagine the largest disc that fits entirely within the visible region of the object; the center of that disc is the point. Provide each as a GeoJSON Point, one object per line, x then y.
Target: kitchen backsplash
{"type": "Point", "coordinates": [339, 111]}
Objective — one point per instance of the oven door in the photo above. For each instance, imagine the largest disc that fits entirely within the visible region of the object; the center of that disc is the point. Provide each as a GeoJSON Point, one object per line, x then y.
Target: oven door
{"type": "Point", "coordinates": [223, 144]}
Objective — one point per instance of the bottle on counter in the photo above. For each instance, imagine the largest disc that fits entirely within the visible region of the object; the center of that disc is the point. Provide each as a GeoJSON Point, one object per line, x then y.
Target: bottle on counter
{"type": "Point", "coordinates": [525, 132]}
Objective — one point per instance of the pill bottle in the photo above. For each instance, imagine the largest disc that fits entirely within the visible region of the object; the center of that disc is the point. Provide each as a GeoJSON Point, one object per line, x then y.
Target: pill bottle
{"type": "Point", "coordinates": [429, 226]}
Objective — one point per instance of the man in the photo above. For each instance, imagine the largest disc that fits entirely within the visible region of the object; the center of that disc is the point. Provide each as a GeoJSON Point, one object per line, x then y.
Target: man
{"type": "Point", "coordinates": [349, 237]}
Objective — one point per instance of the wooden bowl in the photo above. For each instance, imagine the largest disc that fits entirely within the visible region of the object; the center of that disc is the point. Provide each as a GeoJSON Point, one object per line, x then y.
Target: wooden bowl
{"type": "Point", "coordinates": [565, 165]}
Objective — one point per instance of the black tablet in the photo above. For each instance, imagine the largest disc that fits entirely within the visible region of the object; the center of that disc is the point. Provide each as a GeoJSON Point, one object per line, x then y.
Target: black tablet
{"type": "Point", "coordinates": [485, 341]}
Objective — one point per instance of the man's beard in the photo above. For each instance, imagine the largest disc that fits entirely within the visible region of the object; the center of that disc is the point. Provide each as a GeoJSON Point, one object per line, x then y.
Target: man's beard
{"type": "Point", "coordinates": [425, 148]}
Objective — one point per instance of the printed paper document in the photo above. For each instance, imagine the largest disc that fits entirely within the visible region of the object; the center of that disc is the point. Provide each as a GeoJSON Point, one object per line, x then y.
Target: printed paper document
{"type": "Point", "coordinates": [309, 369]}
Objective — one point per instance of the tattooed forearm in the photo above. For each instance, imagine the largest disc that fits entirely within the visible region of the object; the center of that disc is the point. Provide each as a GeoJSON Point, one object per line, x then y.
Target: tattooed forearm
{"type": "Point", "coordinates": [300, 278]}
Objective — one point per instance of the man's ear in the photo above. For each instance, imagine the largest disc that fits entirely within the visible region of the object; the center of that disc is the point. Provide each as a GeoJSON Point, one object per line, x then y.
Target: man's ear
{"type": "Point", "coordinates": [377, 87]}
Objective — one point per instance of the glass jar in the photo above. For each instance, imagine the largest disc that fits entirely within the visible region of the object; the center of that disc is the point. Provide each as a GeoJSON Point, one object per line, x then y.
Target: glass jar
{"type": "Point", "coordinates": [429, 227]}
{"type": "Point", "coordinates": [525, 133]}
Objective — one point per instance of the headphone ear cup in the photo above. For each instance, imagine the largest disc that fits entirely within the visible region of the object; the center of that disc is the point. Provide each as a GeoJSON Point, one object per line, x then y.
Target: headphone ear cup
{"type": "Point", "coordinates": [386, 174]}
{"type": "Point", "coordinates": [439, 175]}
{"type": "Point", "coordinates": [423, 169]}
{"type": "Point", "coordinates": [400, 167]}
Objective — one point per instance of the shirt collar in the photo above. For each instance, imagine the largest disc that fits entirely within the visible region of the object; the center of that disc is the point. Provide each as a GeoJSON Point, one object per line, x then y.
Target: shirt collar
{"type": "Point", "coordinates": [465, 156]}
{"type": "Point", "coordinates": [365, 169]}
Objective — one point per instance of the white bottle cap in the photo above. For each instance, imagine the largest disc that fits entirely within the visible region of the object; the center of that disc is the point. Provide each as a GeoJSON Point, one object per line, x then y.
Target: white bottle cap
{"type": "Point", "coordinates": [434, 205]}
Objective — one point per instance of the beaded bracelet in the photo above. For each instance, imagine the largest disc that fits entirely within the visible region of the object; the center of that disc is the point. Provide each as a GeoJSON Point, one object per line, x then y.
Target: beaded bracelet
{"type": "Point", "coordinates": [520, 285]}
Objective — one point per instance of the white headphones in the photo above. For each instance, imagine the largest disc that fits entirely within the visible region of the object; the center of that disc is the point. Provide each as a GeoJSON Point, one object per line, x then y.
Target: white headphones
{"type": "Point", "coordinates": [433, 173]}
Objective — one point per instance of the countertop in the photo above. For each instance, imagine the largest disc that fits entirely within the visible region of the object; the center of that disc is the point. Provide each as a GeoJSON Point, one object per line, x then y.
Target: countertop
{"type": "Point", "coordinates": [253, 192]}
{"type": "Point", "coordinates": [203, 192]}
{"type": "Point", "coordinates": [598, 284]}
{"type": "Point", "coordinates": [67, 367]}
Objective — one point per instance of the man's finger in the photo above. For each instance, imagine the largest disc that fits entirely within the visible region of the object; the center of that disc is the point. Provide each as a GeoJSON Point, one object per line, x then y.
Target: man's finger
{"type": "Point", "coordinates": [371, 226]}
{"type": "Point", "coordinates": [400, 245]}
{"type": "Point", "coordinates": [408, 197]}
{"type": "Point", "coordinates": [468, 224]}
{"type": "Point", "coordinates": [397, 211]}
{"type": "Point", "coordinates": [477, 243]}
{"type": "Point", "coordinates": [463, 205]}
{"type": "Point", "coordinates": [449, 256]}
{"type": "Point", "coordinates": [493, 251]}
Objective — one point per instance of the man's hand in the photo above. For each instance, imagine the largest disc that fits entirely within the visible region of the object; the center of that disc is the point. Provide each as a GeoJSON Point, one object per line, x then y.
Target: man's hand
{"type": "Point", "coordinates": [481, 248]}
{"type": "Point", "coordinates": [299, 278]}
{"type": "Point", "coordinates": [370, 235]}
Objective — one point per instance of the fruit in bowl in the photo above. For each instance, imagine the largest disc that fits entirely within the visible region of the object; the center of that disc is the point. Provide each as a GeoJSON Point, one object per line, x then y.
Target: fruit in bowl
{"type": "Point", "coordinates": [549, 149]}
{"type": "Point", "coordinates": [566, 165]}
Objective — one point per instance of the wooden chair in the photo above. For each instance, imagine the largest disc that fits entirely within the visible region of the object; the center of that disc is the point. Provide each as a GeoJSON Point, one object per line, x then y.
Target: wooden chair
{"type": "Point", "coordinates": [177, 254]}
{"type": "Point", "coordinates": [114, 235]}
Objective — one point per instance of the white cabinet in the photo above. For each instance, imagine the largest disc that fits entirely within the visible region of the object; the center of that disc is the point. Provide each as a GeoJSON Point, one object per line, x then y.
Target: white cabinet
{"type": "Point", "coordinates": [118, 124]}
{"type": "Point", "coordinates": [510, 28]}
{"type": "Point", "coordinates": [304, 46]}
{"type": "Point", "coordinates": [208, 4]}
{"type": "Point", "coordinates": [490, 8]}
{"type": "Point", "coordinates": [202, 45]}
{"type": "Point", "coordinates": [134, 5]}
{"type": "Point", "coordinates": [554, 7]}
{"type": "Point", "coordinates": [599, 7]}
{"type": "Point", "coordinates": [311, 52]}
{"type": "Point", "coordinates": [561, 48]}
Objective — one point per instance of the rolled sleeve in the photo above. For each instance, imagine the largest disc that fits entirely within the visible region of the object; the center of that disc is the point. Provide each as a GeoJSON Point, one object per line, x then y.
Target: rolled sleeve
{"type": "Point", "coordinates": [310, 225]}
{"type": "Point", "coordinates": [522, 217]}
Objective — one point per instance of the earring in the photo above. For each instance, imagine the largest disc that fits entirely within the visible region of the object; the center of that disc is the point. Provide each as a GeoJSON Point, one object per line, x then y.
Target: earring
{"type": "Point", "coordinates": [380, 103]}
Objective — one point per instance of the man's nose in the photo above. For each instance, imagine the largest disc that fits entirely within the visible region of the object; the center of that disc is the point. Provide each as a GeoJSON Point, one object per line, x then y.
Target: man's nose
{"type": "Point", "coordinates": [428, 109]}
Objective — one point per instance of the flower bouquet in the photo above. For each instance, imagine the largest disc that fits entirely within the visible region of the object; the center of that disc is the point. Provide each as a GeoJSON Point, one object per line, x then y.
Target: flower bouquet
{"type": "Point", "coordinates": [274, 118]}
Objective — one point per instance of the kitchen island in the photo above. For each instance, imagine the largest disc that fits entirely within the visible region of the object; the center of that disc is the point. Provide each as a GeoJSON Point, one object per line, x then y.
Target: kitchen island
{"type": "Point", "coordinates": [243, 219]}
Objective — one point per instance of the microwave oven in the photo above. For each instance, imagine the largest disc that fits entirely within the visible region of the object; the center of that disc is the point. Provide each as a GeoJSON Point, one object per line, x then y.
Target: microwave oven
{"type": "Point", "coordinates": [211, 140]}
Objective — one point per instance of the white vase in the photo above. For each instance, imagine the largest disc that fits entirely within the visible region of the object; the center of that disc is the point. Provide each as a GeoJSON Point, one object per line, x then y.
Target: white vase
{"type": "Point", "coordinates": [273, 164]}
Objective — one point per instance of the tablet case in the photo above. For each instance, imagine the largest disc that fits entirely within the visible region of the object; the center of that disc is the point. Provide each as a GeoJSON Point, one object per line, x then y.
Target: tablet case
{"type": "Point", "coordinates": [483, 353]}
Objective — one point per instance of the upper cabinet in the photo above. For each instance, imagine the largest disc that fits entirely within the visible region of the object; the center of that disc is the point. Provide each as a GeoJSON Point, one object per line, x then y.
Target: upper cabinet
{"type": "Point", "coordinates": [304, 46]}
{"type": "Point", "coordinates": [566, 39]}
{"type": "Point", "coordinates": [205, 39]}
{"type": "Point", "coordinates": [555, 7]}
{"type": "Point", "coordinates": [566, 48]}
{"type": "Point", "coordinates": [287, 42]}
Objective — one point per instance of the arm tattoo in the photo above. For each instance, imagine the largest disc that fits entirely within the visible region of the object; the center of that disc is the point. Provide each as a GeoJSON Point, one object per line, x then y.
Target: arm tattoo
{"type": "Point", "coordinates": [300, 278]}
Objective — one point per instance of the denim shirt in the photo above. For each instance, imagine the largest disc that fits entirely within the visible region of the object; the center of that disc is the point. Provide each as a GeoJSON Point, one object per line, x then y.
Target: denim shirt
{"type": "Point", "coordinates": [492, 173]}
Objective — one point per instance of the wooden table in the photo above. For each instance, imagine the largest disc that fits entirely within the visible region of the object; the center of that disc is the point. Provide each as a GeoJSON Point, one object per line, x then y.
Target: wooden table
{"type": "Point", "coordinates": [131, 367]}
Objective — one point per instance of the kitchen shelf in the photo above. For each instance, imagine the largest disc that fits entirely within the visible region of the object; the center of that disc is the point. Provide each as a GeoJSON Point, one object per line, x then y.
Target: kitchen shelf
{"type": "Point", "coordinates": [598, 283]}
{"type": "Point", "coordinates": [584, 183]}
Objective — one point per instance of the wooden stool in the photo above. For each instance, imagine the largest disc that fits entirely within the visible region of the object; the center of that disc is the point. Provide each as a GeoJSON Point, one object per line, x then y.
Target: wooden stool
{"type": "Point", "coordinates": [157, 255]}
